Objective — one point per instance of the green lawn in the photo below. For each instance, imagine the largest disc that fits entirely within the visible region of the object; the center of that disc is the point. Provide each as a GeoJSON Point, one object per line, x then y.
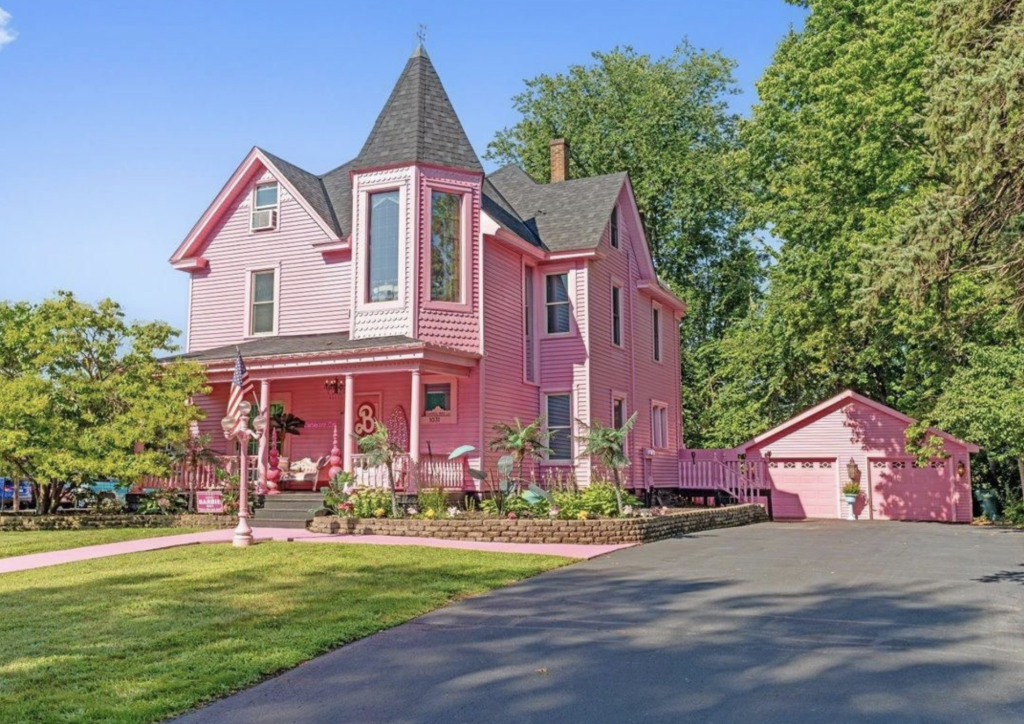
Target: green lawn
{"type": "Point", "coordinates": [140, 637]}
{"type": "Point", "coordinates": [20, 543]}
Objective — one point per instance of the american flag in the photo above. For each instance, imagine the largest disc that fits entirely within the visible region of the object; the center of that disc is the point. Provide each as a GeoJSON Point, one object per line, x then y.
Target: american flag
{"type": "Point", "coordinates": [241, 386]}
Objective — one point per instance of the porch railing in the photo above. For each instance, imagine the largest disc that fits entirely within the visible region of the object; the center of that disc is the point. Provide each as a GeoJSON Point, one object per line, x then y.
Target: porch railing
{"type": "Point", "coordinates": [431, 472]}
{"type": "Point", "coordinates": [205, 475]}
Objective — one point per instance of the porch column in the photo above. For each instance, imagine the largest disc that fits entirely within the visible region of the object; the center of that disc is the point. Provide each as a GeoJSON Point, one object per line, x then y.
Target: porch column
{"type": "Point", "coordinates": [415, 411]}
{"type": "Point", "coordinates": [264, 410]}
{"type": "Point", "coordinates": [348, 424]}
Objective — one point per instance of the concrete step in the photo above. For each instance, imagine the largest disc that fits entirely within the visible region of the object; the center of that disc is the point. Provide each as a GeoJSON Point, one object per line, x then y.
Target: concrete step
{"type": "Point", "coordinates": [285, 514]}
{"type": "Point", "coordinates": [278, 523]}
{"type": "Point", "coordinates": [306, 505]}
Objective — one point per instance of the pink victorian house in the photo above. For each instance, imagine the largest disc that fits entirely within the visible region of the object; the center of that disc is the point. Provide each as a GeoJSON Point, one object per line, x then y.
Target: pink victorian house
{"type": "Point", "coordinates": [409, 286]}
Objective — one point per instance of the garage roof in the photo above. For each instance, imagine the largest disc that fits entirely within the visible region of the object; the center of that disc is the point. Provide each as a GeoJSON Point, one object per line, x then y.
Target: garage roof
{"type": "Point", "coordinates": [843, 397]}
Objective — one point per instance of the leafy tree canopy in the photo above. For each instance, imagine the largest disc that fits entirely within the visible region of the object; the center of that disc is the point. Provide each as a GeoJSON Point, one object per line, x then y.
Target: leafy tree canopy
{"type": "Point", "coordinates": [81, 388]}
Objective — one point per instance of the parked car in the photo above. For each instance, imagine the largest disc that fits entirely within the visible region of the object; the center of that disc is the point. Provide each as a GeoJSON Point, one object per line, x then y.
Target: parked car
{"type": "Point", "coordinates": [25, 497]}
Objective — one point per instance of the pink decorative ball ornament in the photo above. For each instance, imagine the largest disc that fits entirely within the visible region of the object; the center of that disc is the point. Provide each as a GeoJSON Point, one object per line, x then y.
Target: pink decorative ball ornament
{"type": "Point", "coordinates": [273, 463]}
{"type": "Point", "coordinates": [336, 459]}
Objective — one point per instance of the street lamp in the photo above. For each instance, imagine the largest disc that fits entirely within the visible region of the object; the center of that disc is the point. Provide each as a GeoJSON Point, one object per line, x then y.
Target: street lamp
{"type": "Point", "coordinates": [237, 427]}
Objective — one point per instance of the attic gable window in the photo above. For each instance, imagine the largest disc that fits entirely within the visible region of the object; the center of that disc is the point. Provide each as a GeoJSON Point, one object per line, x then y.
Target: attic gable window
{"type": "Point", "coordinates": [264, 211]}
{"type": "Point", "coordinates": [614, 236]}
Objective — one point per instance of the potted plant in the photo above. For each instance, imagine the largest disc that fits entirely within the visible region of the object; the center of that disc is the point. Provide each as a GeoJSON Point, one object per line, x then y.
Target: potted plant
{"type": "Point", "coordinates": [850, 491]}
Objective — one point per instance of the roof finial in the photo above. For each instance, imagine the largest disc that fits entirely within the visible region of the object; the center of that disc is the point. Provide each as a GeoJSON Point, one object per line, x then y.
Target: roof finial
{"type": "Point", "coordinates": [421, 37]}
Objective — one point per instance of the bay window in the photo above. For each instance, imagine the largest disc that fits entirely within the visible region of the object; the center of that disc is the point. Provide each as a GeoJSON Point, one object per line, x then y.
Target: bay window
{"type": "Point", "coordinates": [445, 247]}
{"type": "Point", "coordinates": [382, 252]}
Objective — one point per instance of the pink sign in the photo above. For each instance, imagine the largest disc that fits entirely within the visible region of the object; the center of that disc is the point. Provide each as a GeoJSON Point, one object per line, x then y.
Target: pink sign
{"type": "Point", "coordinates": [209, 501]}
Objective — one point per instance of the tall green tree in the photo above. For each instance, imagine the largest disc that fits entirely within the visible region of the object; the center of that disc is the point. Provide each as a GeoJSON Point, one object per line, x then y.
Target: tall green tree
{"type": "Point", "coordinates": [666, 122]}
{"type": "Point", "coordinates": [971, 224]}
{"type": "Point", "coordinates": [833, 157]}
{"type": "Point", "coordinates": [81, 389]}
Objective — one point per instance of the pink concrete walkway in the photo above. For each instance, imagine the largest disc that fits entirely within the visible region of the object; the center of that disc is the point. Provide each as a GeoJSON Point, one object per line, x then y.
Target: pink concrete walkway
{"type": "Point", "coordinates": [71, 555]}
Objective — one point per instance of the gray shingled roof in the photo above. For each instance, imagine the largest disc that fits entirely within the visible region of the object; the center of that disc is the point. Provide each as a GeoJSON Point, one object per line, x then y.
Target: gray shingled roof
{"type": "Point", "coordinates": [418, 123]}
{"type": "Point", "coordinates": [311, 187]}
{"type": "Point", "coordinates": [562, 216]}
{"type": "Point", "coordinates": [297, 344]}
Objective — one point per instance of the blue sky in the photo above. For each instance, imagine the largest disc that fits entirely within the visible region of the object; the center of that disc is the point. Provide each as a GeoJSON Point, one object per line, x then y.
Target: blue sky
{"type": "Point", "coordinates": [120, 121]}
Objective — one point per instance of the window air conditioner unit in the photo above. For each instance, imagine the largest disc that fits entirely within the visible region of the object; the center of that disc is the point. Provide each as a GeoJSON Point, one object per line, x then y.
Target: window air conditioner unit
{"type": "Point", "coordinates": [264, 219]}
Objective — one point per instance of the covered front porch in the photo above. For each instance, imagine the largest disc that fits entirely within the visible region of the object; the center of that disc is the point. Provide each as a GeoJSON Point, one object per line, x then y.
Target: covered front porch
{"type": "Point", "coordinates": [427, 397]}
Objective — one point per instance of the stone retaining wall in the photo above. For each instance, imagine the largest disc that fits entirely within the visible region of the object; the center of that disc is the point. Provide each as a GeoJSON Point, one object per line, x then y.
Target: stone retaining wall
{"type": "Point", "coordinates": [28, 521]}
{"type": "Point", "coordinates": [611, 531]}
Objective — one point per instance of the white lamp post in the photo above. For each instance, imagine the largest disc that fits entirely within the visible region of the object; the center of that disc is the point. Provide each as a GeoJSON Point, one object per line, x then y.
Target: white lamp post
{"type": "Point", "coordinates": [243, 533]}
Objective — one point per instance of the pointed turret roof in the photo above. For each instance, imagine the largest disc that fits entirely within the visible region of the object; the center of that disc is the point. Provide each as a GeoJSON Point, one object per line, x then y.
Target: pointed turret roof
{"type": "Point", "coordinates": [418, 123]}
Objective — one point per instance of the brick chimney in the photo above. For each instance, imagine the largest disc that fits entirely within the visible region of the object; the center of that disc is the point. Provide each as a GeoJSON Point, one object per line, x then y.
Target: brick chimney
{"type": "Point", "coordinates": [559, 160]}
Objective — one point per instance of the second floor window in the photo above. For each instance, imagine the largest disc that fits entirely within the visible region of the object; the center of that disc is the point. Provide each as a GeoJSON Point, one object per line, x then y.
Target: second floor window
{"type": "Point", "coordinates": [445, 247]}
{"type": "Point", "coordinates": [656, 322]}
{"type": "Point", "coordinates": [261, 317]}
{"type": "Point", "coordinates": [557, 303]}
{"type": "Point", "coordinates": [617, 316]}
{"type": "Point", "coordinates": [382, 255]}
{"type": "Point", "coordinates": [528, 323]}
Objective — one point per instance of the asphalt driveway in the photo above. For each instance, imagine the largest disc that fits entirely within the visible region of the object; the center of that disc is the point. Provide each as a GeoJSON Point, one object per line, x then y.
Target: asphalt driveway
{"type": "Point", "coordinates": [824, 622]}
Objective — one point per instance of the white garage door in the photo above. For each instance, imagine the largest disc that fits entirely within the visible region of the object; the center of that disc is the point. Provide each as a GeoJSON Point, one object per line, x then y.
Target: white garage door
{"type": "Point", "coordinates": [804, 488]}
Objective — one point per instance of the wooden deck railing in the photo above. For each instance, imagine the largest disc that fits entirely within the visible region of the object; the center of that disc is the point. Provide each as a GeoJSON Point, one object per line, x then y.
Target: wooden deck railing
{"type": "Point", "coordinates": [739, 478]}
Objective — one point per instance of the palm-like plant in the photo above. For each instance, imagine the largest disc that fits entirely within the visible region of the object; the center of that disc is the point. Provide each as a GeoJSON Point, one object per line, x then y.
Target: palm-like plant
{"type": "Point", "coordinates": [379, 449]}
{"type": "Point", "coordinates": [608, 445]}
{"type": "Point", "coordinates": [194, 452]}
{"type": "Point", "coordinates": [521, 441]}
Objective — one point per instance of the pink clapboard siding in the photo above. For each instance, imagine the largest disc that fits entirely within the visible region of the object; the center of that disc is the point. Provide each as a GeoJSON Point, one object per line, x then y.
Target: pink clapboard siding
{"type": "Point", "coordinates": [630, 370]}
{"type": "Point", "coordinates": [808, 460]}
{"type": "Point", "coordinates": [314, 292]}
{"type": "Point", "coordinates": [508, 395]}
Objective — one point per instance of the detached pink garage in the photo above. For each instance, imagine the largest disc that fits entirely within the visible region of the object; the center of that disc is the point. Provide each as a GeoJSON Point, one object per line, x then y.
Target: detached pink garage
{"type": "Point", "coordinates": [807, 460]}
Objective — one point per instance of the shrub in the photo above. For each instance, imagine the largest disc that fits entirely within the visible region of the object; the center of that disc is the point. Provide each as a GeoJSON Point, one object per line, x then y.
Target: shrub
{"type": "Point", "coordinates": [161, 502]}
{"type": "Point", "coordinates": [1014, 514]}
{"type": "Point", "coordinates": [515, 504]}
{"type": "Point", "coordinates": [433, 500]}
{"type": "Point", "coordinates": [597, 499]}
{"type": "Point", "coordinates": [337, 491]}
{"type": "Point", "coordinates": [367, 503]}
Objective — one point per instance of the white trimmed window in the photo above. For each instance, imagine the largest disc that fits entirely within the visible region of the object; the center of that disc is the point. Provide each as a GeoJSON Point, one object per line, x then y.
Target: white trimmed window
{"type": "Point", "coordinates": [264, 207]}
{"type": "Point", "coordinates": [617, 316]}
{"type": "Point", "coordinates": [556, 300]}
{"type": "Point", "coordinates": [382, 251]}
{"type": "Point", "coordinates": [659, 425]}
{"type": "Point", "coordinates": [437, 397]}
{"type": "Point", "coordinates": [656, 324]}
{"type": "Point", "coordinates": [262, 312]}
{"type": "Point", "coordinates": [614, 231]}
{"type": "Point", "coordinates": [559, 422]}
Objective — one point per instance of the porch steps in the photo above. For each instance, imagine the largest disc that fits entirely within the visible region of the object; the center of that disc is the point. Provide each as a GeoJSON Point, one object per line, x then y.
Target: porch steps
{"type": "Point", "coordinates": [287, 510]}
